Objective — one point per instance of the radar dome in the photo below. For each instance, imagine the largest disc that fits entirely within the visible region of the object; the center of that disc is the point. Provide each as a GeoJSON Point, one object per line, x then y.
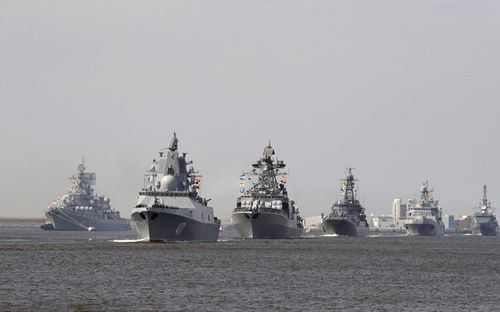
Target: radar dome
{"type": "Point", "coordinates": [268, 152]}
{"type": "Point", "coordinates": [168, 183]}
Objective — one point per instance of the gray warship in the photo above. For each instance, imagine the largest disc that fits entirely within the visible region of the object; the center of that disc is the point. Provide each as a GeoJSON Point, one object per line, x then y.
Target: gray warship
{"type": "Point", "coordinates": [424, 216]}
{"type": "Point", "coordinates": [169, 207]}
{"type": "Point", "coordinates": [80, 209]}
{"type": "Point", "coordinates": [484, 221]}
{"type": "Point", "coordinates": [264, 210]}
{"type": "Point", "coordinates": [347, 216]}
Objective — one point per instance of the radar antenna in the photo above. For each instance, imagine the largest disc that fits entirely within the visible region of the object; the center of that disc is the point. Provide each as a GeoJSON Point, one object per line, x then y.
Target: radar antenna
{"type": "Point", "coordinates": [173, 143]}
{"type": "Point", "coordinates": [268, 151]}
{"type": "Point", "coordinates": [485, 198]}
{"type": "Point", "coordinates": [81, 167]}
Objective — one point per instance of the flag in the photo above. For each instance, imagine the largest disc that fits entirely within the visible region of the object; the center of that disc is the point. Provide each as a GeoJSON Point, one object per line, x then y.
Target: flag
{"type": "Point", "coordinates": [284, 179]}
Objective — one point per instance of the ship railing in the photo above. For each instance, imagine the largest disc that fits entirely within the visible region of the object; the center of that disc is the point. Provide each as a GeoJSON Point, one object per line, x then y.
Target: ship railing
{"type": "Point", "coordinates": [156, 206]}
{"type": "Point", "coordinates": [164, 206]}
{"type": "Point", "coordinates": [260, 196]}
{"type": "Point", "coordinates": [168, 193]}
{"type": "Point", "coordinates": [243, 209]}
{"type": "Point", "coordinates": [271, 210]}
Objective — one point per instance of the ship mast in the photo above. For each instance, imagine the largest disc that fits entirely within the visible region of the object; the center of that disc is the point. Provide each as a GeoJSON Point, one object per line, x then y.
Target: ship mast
{"type": "Point", "coordinates": [485, 198]}
{"type": "Point", "coordinates": [425, 197]}
{"type": "Point", "coordinates": [348, 187]}
{"type": "Point", "coordinates": [173, 144]}
{"type": "Point", "coordinates": [267, 169]}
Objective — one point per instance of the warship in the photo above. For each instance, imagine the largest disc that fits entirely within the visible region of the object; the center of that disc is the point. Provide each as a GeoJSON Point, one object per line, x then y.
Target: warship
{"type": "Point", "coordinates": [169, 207]}
{"type": "Point", "coordinates": [347, 216]}
{"type": "Point", "coordinates": [424, 216]}
{"type": "Point", "coordinates": [80, 209]}
{"type": "Point", "coordinates": [484, 221]}
{"type": "Point", "coordinates": [265, 210]}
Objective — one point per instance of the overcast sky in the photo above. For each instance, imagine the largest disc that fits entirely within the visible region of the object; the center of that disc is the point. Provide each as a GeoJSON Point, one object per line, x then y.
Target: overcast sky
{"type": "Point", "coordinates": [403, 91]}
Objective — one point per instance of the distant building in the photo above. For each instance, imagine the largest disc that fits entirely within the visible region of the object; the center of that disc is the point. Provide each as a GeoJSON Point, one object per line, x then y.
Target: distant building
{"type": "Point", "coordinates": [312, 225]}
{"type": "Point", "coordinates": [383, 221]}
{"type": "Point", "coordinates": [449, 222]}
{"type": "Point", "coordinates": [399, 211]}
{"type": "Point", "coordinates": [463, 223]}
{"type": "Point", "coordinates": [313, 221]}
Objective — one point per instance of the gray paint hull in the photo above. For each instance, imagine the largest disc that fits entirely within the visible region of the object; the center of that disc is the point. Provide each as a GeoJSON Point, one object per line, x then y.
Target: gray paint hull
{"type": "Point", "coordinates": [68, 221]}
{"type": "Point", "coordinates": [485, 229]}
{"type": "Point", "coordinates": [344, 227]}
{"type": "Point", "coordinates": [425, 229]}
{"type": "Point", "coordinates": [265, 225]}
{"type": "Point", "coordinates": [156, 226]}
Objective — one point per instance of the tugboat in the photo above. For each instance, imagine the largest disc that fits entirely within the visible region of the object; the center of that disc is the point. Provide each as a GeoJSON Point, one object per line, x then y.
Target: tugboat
{"type": "Point", "coordinates": [265, 210]}
{"type": "Point", "coordinates": [425, 216]}
{"type": "Point", "coordinates": [169, 207]}
{"type": "Point", "coordinates": [347, 216]}
{"type": "Point", "coordinates": [79, 209]}
{"type": "Point", "coordinates": [484, 221]}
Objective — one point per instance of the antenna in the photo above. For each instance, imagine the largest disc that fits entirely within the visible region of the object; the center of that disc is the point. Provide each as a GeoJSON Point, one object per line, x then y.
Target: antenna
{"type": "Point", "coordinates": [485, 198]}
{"type": "Point", "coordinates": [173, 143]}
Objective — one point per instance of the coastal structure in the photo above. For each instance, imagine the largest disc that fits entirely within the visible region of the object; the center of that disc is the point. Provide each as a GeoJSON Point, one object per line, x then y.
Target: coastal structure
{"type": "Point", "coordinates": [424, 216]}
{"type": "Point", "coordinates": [264, 210]}
{"type": "Point", "coordinates": [449, 223]}
{"type": "Point", "coordinates": [80, 209]}
{"type": "Point", "coordinates": [313, 225]}
{"type": "Point", "coordinates": [383, 222]}
{"type": "Point", "coordinates": [484, 221]}
{"type": "Point", "coordinates": [347, 216]}
{"type": "Point", "coordinates": [169, 207]}
{"type": "Point", "coordinates": [399, 213]}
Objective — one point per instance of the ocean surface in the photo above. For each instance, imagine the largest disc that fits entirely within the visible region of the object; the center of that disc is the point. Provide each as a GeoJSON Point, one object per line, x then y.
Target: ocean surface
{"type": "Point", "coordinates": [110, 271]}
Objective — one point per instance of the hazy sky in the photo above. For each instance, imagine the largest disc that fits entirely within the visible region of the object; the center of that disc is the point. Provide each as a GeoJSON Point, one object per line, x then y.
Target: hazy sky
{"type": "Point", "coordinates": [403, 91]}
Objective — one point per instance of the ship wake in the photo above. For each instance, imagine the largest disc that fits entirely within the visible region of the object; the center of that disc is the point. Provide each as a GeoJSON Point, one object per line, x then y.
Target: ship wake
{"type": "Point", "coordinates": [129, 240]}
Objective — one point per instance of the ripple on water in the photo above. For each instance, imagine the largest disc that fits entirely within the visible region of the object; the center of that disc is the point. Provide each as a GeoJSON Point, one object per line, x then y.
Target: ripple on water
{"type": "Point", "coordinates": [115, 271]}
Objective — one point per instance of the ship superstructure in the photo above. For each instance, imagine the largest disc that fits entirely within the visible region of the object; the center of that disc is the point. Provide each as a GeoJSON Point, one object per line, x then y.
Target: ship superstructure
{"type": "Point", "coordinates": [80, 209]}
{"type": "Point", "coordinates": [169, 207]}
{"type": "Point", "coordinates": [424, 216]}
{"type": "Point", "coordinates": [265, 210]}
{"type": "Point", "coordinates": [484, 221]}
{"type": "Point", "coordinates": [347, 216]}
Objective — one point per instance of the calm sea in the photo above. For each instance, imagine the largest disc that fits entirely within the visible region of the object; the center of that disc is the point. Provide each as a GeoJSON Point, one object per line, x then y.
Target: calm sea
{"type": "Point", "coordinates": [109, 271]}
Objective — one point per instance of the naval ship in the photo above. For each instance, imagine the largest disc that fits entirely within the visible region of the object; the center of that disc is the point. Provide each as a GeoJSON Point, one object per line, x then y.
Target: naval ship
{"type": "Point", "coordinates": [424, 216]}
{"type": "Point", "coordinates": [80, 209]}
{"type": "Point", "coordinates": [169, 207]}
{"type": "Point", "coordinates": [347, 216]}
{"type": "Point", "coordinates": [484, 221]}
{"type": "Point", "coordinates": [264, 210]}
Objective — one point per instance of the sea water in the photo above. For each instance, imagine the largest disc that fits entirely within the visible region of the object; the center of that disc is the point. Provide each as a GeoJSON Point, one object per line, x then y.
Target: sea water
{"type": "Point", "coordinates": [112, 271]}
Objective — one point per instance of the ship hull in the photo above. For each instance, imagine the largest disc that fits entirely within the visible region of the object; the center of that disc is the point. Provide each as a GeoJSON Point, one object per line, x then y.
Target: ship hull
{"type": "Point", "coordinates": [485, 229]}
{"type": "Point", "coordinates": [158, 226]}
{"type": "Point", "coordinates": [344, 227]}
{"type": "Point", "coordinates": [265, 225]}
{"type": "Point", "coordinates": [424, 229]}
{"type": "Point", "coordinates": [47, 227]}
{"type": "Point", "coordinates": [68, 221]}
